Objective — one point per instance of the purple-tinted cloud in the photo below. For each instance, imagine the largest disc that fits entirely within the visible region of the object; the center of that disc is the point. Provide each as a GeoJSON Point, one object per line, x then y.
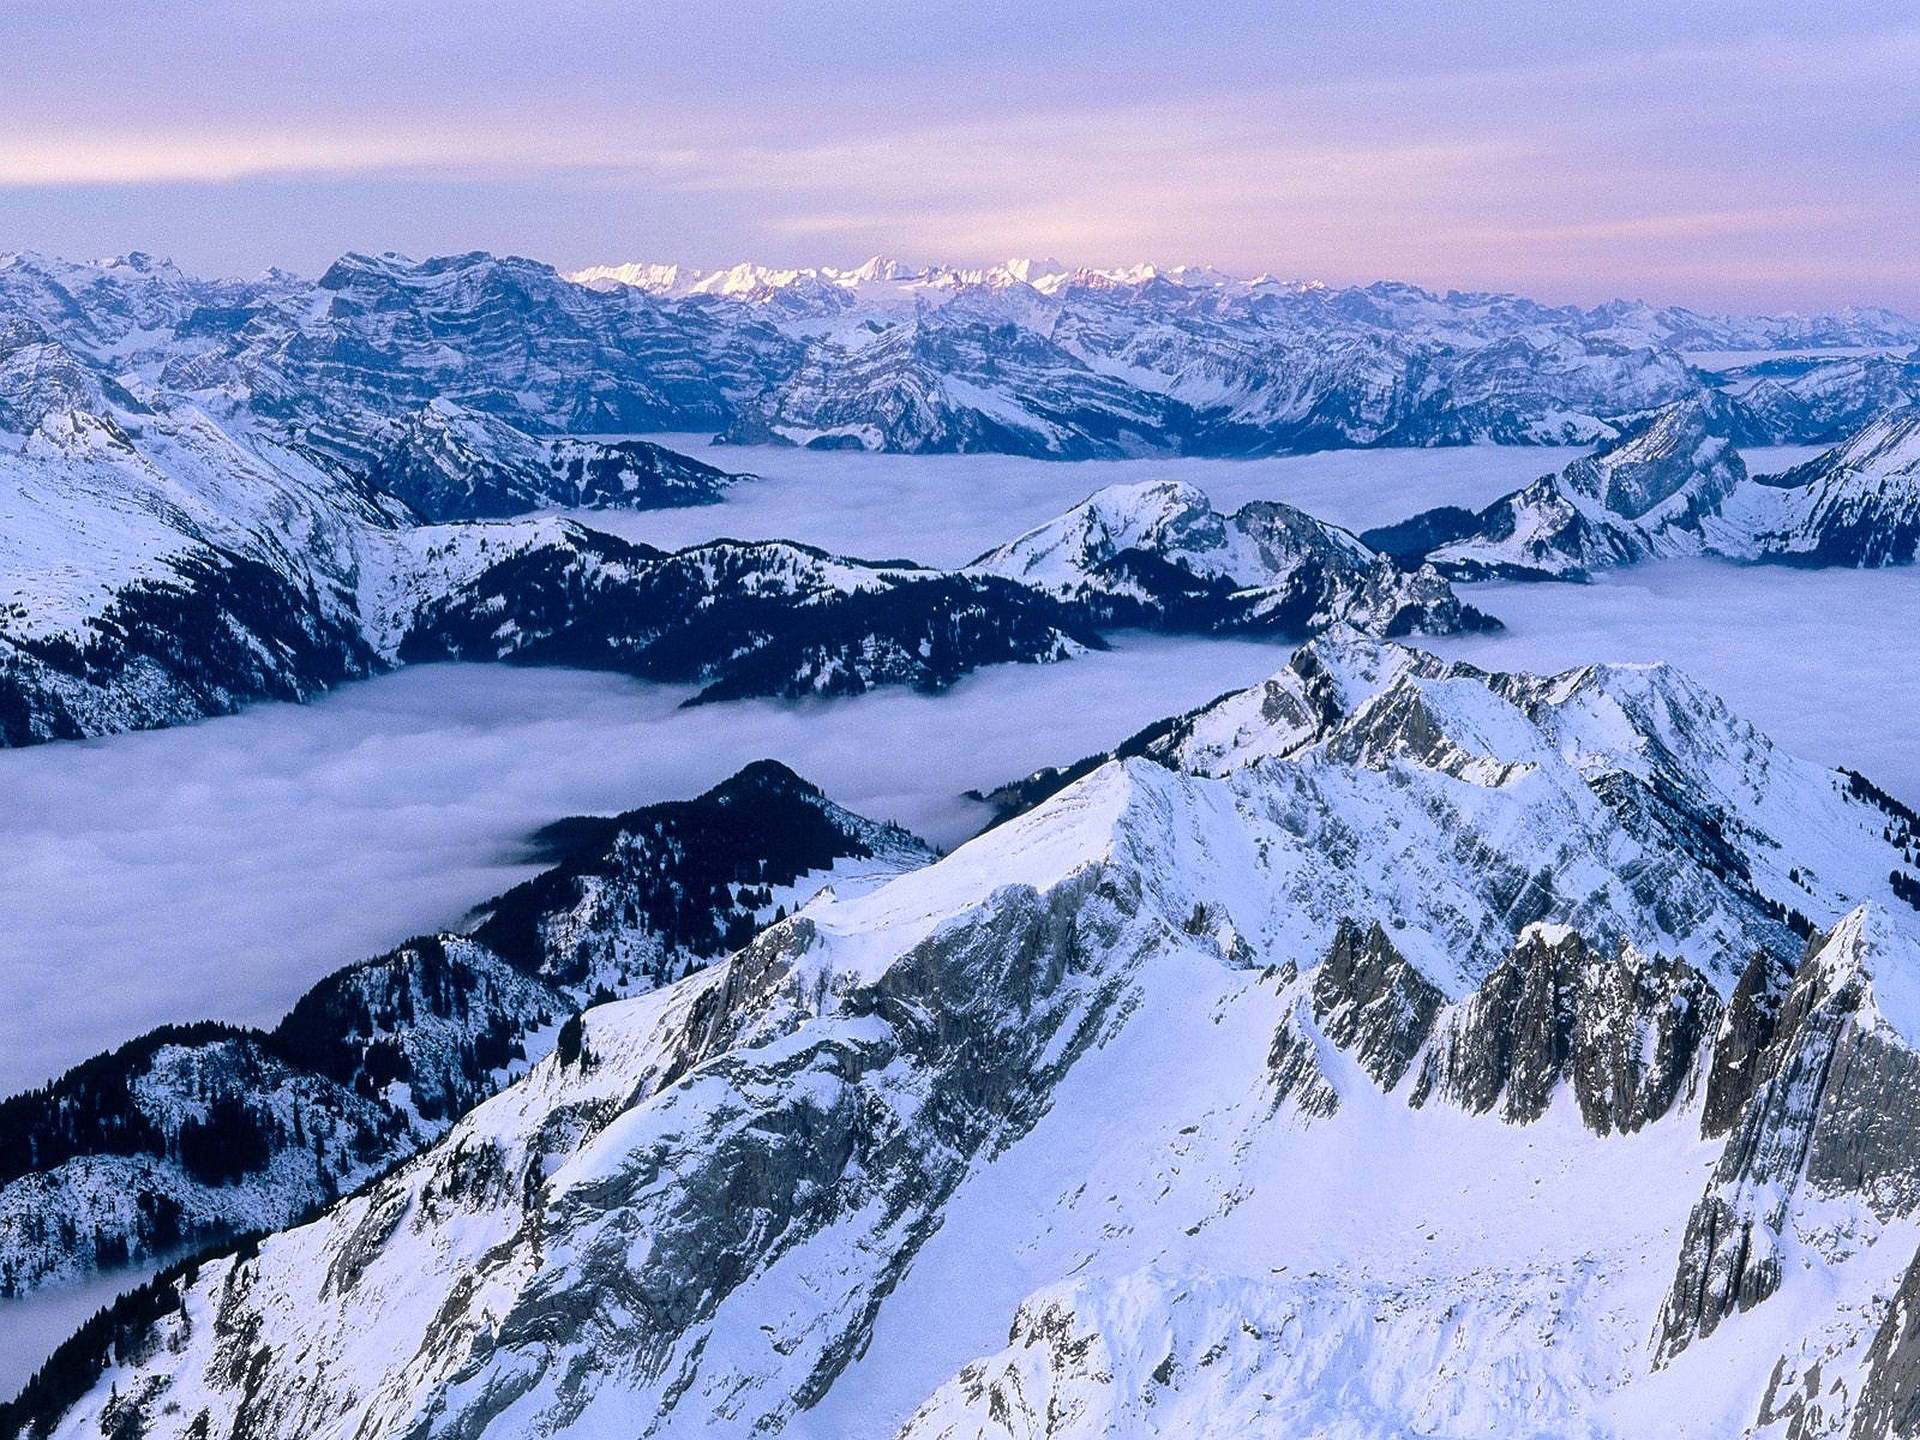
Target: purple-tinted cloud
{"type": "Point", "coordinates": [1744, 155]}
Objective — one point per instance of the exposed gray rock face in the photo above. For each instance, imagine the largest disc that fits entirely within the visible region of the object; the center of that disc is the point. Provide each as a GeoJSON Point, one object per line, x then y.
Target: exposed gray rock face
{"type": "Point", "coordinates": [754, 1112]}
{"type": "Point", "coordinates": [1833, 1113]}
{"type": "Point", "coordinates": [1888, 1407]}
{"type": "Point", "coordinates": [1625, 1033]}
{"type": "Point", "coordinates": [1686, 447]}
{"type": "Point", "coordinates": [1365, 998]}
{"type": "Point", "coordinates": [1373, 1004]}
{"type": "Point", "coordinates": [1740, 1048]}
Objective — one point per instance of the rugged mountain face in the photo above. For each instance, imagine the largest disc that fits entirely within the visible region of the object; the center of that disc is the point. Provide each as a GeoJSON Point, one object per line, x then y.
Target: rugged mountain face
{"type": "Point", "coordinates": [1677, 487]}
{"type": "Point", "coordinates": [1026, 358]}
{"type": "Point", "coordinates": [915, 387]}
{"type": "Point", "coordinates": [1653, 493]}
{"type": "Point", "coordinates": [1455, 949]}
{"type": "Point", "coordinates": [1159, 554]}
{"type": "Point", "coordinates": [1825, 1117]}
{"type": "Point", "coordinates": [766, 618]}
{"type": "Point", "coordinates": [386, 335]}
{"type": "Point", "coordinates": [193, 1134]}
{"type": "Point", "coordinates": [1858, 504]}
{"type": "Point", "coordinates": [448, 463]}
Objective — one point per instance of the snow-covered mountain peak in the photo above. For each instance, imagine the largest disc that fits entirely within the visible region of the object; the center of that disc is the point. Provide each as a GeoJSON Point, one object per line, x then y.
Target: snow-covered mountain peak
{"type": "Point", "coordinates": [1471, 974]}
{"type": "Point", "coordinates": [1683, 451]}
{"type": "Point", "coordinates": [1158, 549]}
{"type": "Point", "coordinates": [1867, 949]}
{"type": "Point", "coordinates": [1037, 273]}
{"type": "Point", "coordinates": [1171, 515]}
{"type": "Point", "coordinates": [1888, 446]}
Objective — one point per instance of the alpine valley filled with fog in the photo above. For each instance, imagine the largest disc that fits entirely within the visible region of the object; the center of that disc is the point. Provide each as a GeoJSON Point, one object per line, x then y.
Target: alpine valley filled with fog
{"type": "Point", "coordinates": [935, 851]}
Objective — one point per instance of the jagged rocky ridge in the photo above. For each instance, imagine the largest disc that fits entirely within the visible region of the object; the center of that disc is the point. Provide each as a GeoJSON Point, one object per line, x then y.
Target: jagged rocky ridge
{"type": "Point", "coordinates": [194, 1133]}
{"type": "Point", "coordinates": [1676, 486]}
{"type": "Point", "coordinates": [1343, 1069]}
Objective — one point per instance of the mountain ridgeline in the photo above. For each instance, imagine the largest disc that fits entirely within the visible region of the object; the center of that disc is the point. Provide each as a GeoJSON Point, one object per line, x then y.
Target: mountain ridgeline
{"type": "Point", "coordinates": [193, 1133]}
{"type": "Point", "coordinates": [214, 492]}
{"type": "Point", "coordinates": [1391, 1047]}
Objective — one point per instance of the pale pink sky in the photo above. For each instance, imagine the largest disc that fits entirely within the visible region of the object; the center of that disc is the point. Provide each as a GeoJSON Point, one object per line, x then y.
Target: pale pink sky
{"type": "Point", "coordinates": [1726, 155]}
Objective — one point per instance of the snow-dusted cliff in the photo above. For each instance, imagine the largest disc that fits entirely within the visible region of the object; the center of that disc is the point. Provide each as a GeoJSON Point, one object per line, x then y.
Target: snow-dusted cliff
{"type": "Point", "coordinates": [1361, 1063]}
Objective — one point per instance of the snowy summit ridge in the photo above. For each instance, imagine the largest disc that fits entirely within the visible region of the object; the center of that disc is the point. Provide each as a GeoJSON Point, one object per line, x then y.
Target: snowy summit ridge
{"type": "Point", "coordinates": [1513, 993]}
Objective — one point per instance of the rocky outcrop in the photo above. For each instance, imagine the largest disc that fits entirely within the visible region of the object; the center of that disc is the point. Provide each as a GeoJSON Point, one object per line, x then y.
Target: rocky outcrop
{"type": "Point", "coordinates": [1740, 1047]}
{"type": "Point", "coordinates": [1626, 1037]}
{"type": "Point", "coordinates": [1624, 1034]}
{"type": "Point", "coordinates": [1888, 1407]}
{"type": "Point", "coordinates": [1832, 1113]}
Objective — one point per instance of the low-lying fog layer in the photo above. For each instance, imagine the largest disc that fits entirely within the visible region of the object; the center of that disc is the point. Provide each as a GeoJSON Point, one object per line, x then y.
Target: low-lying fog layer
{"type": "Point", "coordinates": [218, 869]}
{"type": "Point", "coordinates": [946, 509]}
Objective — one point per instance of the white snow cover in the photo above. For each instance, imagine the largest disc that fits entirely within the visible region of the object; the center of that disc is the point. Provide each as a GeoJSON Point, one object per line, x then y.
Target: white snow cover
{"type": "Point", "coordinates": [1163, 1250]}
{"type": "Point", "coordinates": [1171, 518]}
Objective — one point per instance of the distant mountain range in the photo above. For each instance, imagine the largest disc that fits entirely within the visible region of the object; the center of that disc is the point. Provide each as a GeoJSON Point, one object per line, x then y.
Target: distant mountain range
{"type": "Point", "coordinates": [1034, 358]}
{"type": "Point", "coordinates": [218, 491]}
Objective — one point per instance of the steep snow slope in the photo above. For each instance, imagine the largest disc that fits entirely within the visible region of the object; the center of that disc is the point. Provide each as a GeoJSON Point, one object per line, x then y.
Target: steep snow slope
{"type": "Point", "coordinates": [1857, 504]}
{"type": "Point", "coordinates": [1655, 493]}
{"type": "Point", "coordinates": [1412, 1018]}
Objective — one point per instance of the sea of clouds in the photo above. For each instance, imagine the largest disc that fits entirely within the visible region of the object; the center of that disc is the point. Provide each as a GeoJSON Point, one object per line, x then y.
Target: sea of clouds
{"type": "Point", "coordinates": [217, 870]}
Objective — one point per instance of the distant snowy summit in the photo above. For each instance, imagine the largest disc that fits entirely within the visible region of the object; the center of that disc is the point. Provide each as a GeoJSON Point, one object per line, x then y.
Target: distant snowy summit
{"type": "Point", "coordinates": [1676, 486]}
{"type": "Point", "coordinates": [1036, 357]}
